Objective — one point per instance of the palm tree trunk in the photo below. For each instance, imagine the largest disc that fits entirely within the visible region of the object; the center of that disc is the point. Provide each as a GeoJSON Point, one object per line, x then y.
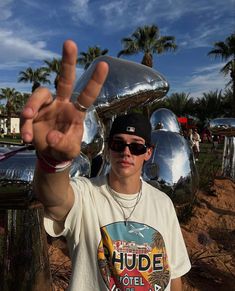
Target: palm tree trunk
{"type": "Point", "coordinates": [147, 60]}
{"type": "Point", "coordinates": [35, 86]}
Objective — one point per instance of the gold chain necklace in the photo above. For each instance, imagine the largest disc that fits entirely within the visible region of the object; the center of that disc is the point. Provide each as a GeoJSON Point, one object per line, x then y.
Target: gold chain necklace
{"type": "Point", "coordinates": [115, 197]}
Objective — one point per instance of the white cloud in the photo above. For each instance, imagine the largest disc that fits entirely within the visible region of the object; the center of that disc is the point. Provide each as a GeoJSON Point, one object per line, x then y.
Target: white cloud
{"type": "Point", "coordinates": [5, 8]}
{"type": "Point", "coordinates": [16, 49]}
{"type": "Point", "coordinates": [81, 11]}
{"type": "Point", "coordinates": [206, 79]}
{"type": "Point", "coordinates": [211, 68]}
{"type": "Point", "coordinates": [18, 53]}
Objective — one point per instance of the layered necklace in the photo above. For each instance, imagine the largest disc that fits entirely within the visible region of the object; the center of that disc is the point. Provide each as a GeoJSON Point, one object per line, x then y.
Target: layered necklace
{"type": "Point", "coordinates": [129, 208]}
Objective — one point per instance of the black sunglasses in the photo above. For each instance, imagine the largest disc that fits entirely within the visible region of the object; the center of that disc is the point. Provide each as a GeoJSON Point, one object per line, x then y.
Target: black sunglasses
{"type": "Point", "coordinates": [134, 147]}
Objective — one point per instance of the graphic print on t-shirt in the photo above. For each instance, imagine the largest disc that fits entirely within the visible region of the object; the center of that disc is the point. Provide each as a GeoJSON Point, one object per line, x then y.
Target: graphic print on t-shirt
{"type": "Point", "coordinates": [133, 257]}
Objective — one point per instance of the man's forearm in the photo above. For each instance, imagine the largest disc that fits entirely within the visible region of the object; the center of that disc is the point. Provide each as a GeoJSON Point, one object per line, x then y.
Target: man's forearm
{"type": "Point", "coordinates": [54, 191]}
{"type": "Point", "coordinates": [176, 284]}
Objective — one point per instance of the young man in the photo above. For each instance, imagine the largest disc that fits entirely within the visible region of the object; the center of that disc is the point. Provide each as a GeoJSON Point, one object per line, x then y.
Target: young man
{"type": "Point", "coordinates": [122, 233]}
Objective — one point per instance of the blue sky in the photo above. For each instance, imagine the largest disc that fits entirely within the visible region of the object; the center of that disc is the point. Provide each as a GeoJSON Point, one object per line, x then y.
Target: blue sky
{"type": "Point", "coordinates": [31, 31]}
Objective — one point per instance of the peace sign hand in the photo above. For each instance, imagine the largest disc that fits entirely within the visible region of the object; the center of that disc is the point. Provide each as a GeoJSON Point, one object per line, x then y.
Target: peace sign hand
{"type": "Point", "coordinates": [56, 126]}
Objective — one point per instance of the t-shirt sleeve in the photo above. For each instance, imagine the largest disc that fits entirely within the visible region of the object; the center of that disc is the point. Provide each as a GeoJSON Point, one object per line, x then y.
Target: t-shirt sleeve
{"type": "Point", "coordinates": [179, 259]}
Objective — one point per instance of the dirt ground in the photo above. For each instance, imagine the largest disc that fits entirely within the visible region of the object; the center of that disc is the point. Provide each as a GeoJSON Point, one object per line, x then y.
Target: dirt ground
{"type": "Point", "coordinates": [210, 239]}
{"type": "Point", "coordinates": [209, 236]}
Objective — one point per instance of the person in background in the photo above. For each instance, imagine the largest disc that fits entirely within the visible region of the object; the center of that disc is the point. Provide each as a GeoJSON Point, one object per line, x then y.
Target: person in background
{"type": "Point", "coordinates": [122, 233]}
{"type": "Point", "coordinates": [215, 142]}
{"type": "Point", "coordinates": [195, 142]}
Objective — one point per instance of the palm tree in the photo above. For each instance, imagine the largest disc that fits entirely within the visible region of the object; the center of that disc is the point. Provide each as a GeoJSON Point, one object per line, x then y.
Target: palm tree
{"type": "Point", "coordinates": [2, 109]}
{"type": "Point", "coordinates": [209, 106]}
{"type": "Point", "coordinates": [226, 51]}
{"type": "Point", "coordinates": [147, 40]}
{"type": "Point", "coordinates": [86, 58]}
{"type": "Point", "coordinates": [227, 100]}
{"type": "Point", "coordinates": [36, 77]}
{"type": "Point", "coordinates": [11, 96]}
{"type": "Point", "coordinates": [20, 101]}
{"type": "Point", "coordinates": [180, 103]}
{"type": "Point", "coordinates": [54, 66]}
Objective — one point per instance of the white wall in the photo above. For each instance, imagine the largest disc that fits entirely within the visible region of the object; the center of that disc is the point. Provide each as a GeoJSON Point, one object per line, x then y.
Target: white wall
{"type": "Point", "coordinates": [15, 123]}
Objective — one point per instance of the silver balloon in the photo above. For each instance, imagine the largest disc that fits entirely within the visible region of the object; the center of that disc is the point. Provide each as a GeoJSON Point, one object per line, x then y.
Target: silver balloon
{"type": "Point", "coordinates": [93, 136]}
{"type": "Point", "coordinates": [223, 126]}
{"type": "Point", "coordinates": [226, 127]}
{"type": "Point", "coordinates": [16, 176]}
{"type": "Point", "coordinates": [165, 119]}
{"type": "Point", "coordinates": [228, 163]}
{"type": "Point", "coordinates": [81, 166]}
{"type": "Point", "coordinates": [19, 167]}
{"type": "Point", "coordinates": [128, 85]}
{"type": "Point", "coordinates": [172, 168]}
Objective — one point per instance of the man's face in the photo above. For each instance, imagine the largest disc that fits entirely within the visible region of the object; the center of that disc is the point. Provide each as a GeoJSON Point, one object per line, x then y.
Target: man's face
{"type": "Point", "coordinates": [127, 154]}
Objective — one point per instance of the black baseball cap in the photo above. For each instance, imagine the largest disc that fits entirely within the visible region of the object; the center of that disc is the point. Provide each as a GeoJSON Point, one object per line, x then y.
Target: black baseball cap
{"type": "Point", "coordinates": [133, 124]}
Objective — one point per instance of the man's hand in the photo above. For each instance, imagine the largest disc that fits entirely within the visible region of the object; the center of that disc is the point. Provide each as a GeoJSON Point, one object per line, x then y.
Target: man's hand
{"type": "Point", "coordinates": [56, 126]}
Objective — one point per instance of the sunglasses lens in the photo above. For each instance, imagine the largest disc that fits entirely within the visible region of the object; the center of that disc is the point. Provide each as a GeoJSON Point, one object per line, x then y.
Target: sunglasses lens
{"type": "Point", "coordinates": [117, 146]}
{"type": "Point", "coordinates": [135, 148]}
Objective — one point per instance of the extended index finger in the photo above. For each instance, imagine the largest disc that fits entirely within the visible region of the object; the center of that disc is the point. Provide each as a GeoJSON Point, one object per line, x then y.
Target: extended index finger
{"type": "Point", "coordinates": [68, 71]}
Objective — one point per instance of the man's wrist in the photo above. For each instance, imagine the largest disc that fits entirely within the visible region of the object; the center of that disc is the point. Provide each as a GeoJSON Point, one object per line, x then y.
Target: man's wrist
{"type": "Point", "coordinates": [49, 165]}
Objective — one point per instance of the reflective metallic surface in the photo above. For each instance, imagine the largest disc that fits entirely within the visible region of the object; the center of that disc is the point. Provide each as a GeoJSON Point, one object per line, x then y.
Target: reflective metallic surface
{"type": "Point", "coordinates": [81, 166]}
{"type": "Point", "coordinates": [226, 127]}
{"type": "Point", "coordinates": [128, 85]}
{"type": "Point", "coordinates": [172, 168]}
{"type": "Point", "coordinates": [93, 136]}
{"type": "Point", "coordinates": [228, 163]}
{"type": "Point", "coordinates": [16, 175]}
{"type": "Point", "coordinates": [19, 167]}
{"type": "Point", "coordinates": [164, 119]}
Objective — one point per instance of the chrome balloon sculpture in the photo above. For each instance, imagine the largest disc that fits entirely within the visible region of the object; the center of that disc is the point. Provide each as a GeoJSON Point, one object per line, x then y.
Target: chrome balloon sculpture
{"type": "Point", "coordinates": [172, 166]}
{"type": "Point", "coordinates": [127, 86]}
{"type": "Point", "coordinates": [166, 120]}
{"type": "Point", "coordinates": [226, 127]}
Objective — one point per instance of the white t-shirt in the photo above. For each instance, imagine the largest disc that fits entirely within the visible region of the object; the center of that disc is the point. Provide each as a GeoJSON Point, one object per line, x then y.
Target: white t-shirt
{"type": "Point", "coordinates": [107, 254]}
